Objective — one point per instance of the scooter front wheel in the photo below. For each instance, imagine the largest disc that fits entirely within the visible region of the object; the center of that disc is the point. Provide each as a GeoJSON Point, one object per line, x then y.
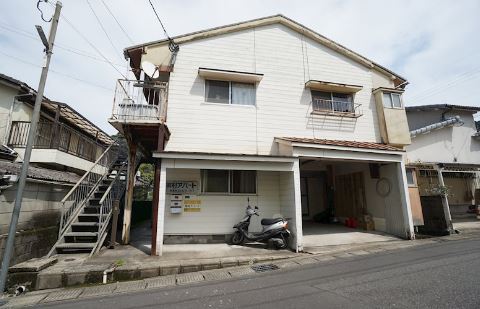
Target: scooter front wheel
{"type": "Point", "coordinates": [237, 238]}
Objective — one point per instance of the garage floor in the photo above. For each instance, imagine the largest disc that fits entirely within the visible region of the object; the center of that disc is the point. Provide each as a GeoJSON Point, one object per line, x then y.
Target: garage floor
{"type": "Point", "coordinates": [319, 235]}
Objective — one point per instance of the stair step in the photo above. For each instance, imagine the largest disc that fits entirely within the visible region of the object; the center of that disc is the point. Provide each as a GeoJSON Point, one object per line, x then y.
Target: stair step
{"type": "Point", "coordinates": [91, 210]}
{"type": "Point", "coordinates": [80, 245]}
{"type": "Point", "coordinates": [84, 224]}
{"type": "Point", "coordinates": [81, 234]}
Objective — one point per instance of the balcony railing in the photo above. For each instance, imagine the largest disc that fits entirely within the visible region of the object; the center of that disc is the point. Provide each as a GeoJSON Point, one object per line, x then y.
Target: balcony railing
{"type": "Point", "coordinates": [140, 100]}
{"type": "Point", "coordinates": [336, 108]}
{"type": "Point", "coordinates": [59, 137]}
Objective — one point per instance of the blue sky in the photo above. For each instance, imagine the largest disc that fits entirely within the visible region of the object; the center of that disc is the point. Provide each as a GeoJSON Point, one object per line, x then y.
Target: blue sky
{"type": "Point", "coordinates": [434, 44]}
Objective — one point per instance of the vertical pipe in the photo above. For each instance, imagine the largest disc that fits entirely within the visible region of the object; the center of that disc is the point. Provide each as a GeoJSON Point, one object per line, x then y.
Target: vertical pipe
{"type": "Point", "coordinates": [446, 206]}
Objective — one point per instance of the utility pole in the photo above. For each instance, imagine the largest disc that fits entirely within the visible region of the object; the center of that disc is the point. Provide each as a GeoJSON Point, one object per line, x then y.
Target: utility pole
{"type": "Point", "coordinates": [28, 150]}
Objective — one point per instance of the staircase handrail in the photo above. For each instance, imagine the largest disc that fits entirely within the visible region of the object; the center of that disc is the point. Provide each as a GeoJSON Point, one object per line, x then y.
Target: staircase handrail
{"type": "Point", "coordinates": [106, 207]}
{"type": "Point", "coordinates": [83, 192]}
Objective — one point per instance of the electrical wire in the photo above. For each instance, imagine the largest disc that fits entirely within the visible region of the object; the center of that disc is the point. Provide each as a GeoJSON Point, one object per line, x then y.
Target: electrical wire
{"type": "Point", "coordinates": [172, 46]}
{"type": "Point", "coordinates": [59, 46]}
{"type": "Point", "coordinates": [118, 23]}
{"type": "Point", "coordinates": [103, 28]}
{"type": "Point", "coordinates": [91, 44]}
{"type": "Point", "coordinates": [56, 72]}
{"type": "Point", "coordinates": [41, 12]}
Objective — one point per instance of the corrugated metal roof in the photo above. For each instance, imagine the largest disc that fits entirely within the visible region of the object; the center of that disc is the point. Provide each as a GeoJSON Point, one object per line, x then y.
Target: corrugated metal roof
{"type": "Point", "coordinates": [350, 144]}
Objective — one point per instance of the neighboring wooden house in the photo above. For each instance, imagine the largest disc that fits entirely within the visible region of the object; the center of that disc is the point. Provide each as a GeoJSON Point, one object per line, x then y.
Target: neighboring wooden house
{"type": "Point", "coordinates": [266, 109]}
{"type": "Point", "coordinates": [65, 147]}
{"type": "Point", "coordinates": [445, 156]}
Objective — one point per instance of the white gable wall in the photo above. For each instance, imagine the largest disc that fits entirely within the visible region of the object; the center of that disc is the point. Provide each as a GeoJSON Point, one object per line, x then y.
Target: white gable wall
{"type": "Point", "coordinates": [446, 144]}
{"type": "Point", "coordinates": [287, 61]}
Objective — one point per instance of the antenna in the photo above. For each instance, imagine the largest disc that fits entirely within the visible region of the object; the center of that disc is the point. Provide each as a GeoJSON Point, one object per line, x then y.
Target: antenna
{"type": "Point", "coordinates": [150, 69]}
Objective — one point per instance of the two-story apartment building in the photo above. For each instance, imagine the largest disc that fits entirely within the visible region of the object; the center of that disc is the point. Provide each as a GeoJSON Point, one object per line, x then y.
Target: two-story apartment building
{"type": "Point", "coordinates": [445, 156]}
{"type": "Point", "coordinates": [271, 111]}
{"type": "Point", "coordinates": [66, 146]}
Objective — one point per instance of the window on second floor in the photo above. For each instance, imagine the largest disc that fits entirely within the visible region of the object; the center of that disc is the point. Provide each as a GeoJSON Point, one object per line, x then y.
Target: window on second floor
{"type": "Point", "coordinates": [227, 92]}
{"type": "Point", "coordinates": [332, 101]}
{"type": "Point", "coordinates": [392, 100]}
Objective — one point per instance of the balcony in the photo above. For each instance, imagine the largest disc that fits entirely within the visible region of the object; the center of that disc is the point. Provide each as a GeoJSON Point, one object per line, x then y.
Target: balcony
{"type": "Point", "coordinates": [56, 137]}
{"type": "Point", "coordinates": [336, 108]}
{"type": "Point", "coordinates": [139, 102]}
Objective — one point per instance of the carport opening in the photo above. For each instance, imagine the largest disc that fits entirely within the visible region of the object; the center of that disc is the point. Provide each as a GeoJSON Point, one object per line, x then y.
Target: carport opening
{"type": "Point", "coordinates": [345, 202]}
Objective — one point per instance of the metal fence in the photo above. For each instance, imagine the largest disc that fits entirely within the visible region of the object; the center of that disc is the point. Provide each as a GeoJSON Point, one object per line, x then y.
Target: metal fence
{"type": "Point", "coordinates": [61, 137]}
{"type": "Point", "coordinates": [140, 100]}
{"type": "Point", "coordinates": [342, 108]}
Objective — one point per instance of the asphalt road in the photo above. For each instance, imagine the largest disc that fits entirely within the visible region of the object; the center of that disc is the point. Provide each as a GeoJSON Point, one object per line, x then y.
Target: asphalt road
{"type": "Point", "coordinates": [441, 275]}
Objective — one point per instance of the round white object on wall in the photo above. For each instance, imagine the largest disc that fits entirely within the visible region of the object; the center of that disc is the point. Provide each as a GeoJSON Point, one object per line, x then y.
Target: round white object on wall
{"type": "Point", "coordinates": [150, 69]}
{"type": "Point", "coordinates": [384, 186]}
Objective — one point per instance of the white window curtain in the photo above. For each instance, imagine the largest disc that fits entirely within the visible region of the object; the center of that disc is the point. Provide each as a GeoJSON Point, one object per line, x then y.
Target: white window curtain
{"type": "Point", "coordinates": [243, 94]}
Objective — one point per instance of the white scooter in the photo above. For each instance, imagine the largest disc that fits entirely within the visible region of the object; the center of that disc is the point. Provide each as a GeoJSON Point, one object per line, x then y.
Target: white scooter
{"type": "Point", "coordinates": [273, 230]}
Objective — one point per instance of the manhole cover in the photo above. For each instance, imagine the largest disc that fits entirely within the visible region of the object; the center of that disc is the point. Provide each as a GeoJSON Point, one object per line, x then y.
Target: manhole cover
{"type": "Point", "coordinates": [264, 267]}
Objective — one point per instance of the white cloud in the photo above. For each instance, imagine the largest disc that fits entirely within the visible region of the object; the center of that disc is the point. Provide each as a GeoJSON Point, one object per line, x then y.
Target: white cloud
{"type": "Point", "coordinates": [434, 44]}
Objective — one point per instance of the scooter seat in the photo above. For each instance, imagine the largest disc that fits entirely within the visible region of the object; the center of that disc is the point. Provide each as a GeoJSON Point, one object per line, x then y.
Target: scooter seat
{"type": "Point", "coordinates": [270, 221]}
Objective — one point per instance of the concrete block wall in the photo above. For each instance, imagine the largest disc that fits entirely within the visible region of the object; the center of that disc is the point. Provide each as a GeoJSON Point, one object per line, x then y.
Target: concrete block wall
{"type": "Point", "coordinates": [39, 219]}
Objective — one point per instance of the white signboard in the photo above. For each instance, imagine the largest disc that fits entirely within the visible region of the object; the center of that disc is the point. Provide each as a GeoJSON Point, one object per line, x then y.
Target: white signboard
{"type": "Point", "coordinates": [182, 187]}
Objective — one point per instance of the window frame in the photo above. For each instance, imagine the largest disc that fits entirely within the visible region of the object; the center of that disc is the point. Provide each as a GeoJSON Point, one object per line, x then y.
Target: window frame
{"type": "Point", "coordinates": [203, 176]}
{"type": "Point", "coordinates": [229, 93]}
{"type": "Point", "coordinates": [391, 98]}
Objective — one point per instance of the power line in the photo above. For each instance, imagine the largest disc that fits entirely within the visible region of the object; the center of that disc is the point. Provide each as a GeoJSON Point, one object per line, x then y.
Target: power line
{"type": "Point", "coordinates": [56, 72]}
{"type": "Point", "coordinates": [103, 28]}
{"type": "Point", "coordinates": [118, 23]}
{"type": "Point", "coordinates": [172, 46]}
{"type": "Point", "coordinates": [91, 44]}
{"type": "Point", "coordinates": [62, 47]}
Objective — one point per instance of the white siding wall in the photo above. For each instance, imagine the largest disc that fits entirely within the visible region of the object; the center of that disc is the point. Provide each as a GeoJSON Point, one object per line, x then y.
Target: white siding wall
{"type": "Point", "coordinates": [219, 213]}
{"type": "Point", "coordinates": [6, 98]}
{"type": "Point", "coordinates": [287, 204]}
{"type": "Point", "coordinates": [445, 144]}
{"type": "Point", "coordinates": [287, 61]}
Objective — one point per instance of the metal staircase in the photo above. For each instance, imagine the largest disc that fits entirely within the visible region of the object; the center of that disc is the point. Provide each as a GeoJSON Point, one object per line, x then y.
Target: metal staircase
{"type": "Point", "coordinates": [88, 206]}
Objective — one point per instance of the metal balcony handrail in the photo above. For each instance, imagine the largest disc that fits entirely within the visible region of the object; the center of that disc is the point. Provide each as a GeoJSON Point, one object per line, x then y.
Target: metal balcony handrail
{"type": "Point", "coordinates": [140, 100]}
{"type": "Point", "coordinates": [336, 107]}
{"type": "Point", "coordinates": [83, 189]}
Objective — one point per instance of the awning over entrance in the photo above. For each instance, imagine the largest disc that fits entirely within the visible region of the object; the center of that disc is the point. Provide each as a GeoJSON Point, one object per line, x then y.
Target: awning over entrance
{"type": "Point", "coordinates": [338, 149]}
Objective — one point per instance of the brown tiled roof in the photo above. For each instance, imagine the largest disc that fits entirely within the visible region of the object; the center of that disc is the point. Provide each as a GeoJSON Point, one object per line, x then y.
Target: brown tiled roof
{"type": "Point", "coordinates": [332, 142]}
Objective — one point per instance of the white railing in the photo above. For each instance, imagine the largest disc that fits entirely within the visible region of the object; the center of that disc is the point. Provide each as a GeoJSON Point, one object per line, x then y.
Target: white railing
{"type": "Point", "coordinates": [140, 100]}
{"type": "Point", "coordinates": [332, 107]}
{"type": "Point", "coordinates": [81, 192]}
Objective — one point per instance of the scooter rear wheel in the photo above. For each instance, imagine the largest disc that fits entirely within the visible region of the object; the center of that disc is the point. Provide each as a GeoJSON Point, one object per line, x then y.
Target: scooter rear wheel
{"type": "Point", "coordinates": [237, 238]}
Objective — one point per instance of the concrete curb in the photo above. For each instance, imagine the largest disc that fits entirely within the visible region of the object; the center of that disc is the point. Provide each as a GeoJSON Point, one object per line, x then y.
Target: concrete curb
{"type": "Point", "coordinates": [58, 276]}
{"type": "Point", "coordinates": [47, 296]}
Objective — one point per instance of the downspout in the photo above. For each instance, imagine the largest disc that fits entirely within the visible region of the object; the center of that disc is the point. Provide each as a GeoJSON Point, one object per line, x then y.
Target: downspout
{"type": "Point", "coordinates": [436, 126]}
